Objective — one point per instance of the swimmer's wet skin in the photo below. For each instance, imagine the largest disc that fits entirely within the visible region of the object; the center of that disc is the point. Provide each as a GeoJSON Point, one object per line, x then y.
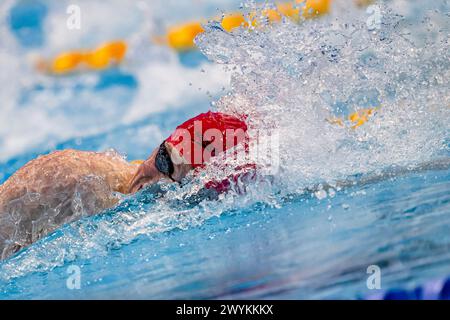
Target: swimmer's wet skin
{"type": "Point", "coordinates": [56, 189]}
{"type": "Point", "coordinates": [64, 186]}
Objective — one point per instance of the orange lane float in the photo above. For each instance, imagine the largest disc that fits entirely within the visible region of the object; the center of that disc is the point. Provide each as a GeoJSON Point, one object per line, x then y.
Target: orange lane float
{"type": "Point", "coordinates": [355, 119]}
{"type": "Point", "coordinates": [106, 55]}
{"type": "Point", "coordinates": [181, 37]}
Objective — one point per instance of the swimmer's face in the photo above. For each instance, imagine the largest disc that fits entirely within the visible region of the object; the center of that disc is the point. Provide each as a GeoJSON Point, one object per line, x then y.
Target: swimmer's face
{"type": "Point", "coordinates": [147, 174]}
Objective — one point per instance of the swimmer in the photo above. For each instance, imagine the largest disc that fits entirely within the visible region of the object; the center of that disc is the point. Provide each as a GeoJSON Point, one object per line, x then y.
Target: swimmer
{"type": "Point", "coordinates": [64, 186]}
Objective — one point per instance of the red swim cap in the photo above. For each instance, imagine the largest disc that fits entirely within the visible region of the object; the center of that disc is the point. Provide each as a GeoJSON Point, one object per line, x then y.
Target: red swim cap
{"type": "Point", "coordinates": [213, 132]}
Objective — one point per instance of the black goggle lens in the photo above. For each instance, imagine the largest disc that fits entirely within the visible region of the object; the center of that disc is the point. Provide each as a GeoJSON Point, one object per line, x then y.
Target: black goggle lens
{"type": "Point", "coordinates": [163, 161]}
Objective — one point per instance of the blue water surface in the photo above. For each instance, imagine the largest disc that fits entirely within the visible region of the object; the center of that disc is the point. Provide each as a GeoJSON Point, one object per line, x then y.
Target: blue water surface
{"type": "Point", "coordinates": [307, 248]}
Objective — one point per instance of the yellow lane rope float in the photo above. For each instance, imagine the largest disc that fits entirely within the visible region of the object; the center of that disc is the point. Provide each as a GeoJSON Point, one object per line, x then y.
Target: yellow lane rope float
{"type": "Point", "coordinates": [181, 37]}
{"type": "Point", "coordinates": [137, 162]}
{"type": "Point", "coordinates": [356, 119]}
{"type": "Point", "coordinates": [108, 54]}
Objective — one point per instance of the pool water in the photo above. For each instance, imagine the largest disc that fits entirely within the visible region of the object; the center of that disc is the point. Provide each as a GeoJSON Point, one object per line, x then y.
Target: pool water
{"type": "Point", "coordinates": [306, 249]}
{"type": "Point", "coordinates": [288, 237]}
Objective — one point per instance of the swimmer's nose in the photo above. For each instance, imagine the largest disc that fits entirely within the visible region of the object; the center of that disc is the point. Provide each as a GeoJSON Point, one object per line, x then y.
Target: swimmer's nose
{"type": "Point", "coordinates": [146, 174]}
